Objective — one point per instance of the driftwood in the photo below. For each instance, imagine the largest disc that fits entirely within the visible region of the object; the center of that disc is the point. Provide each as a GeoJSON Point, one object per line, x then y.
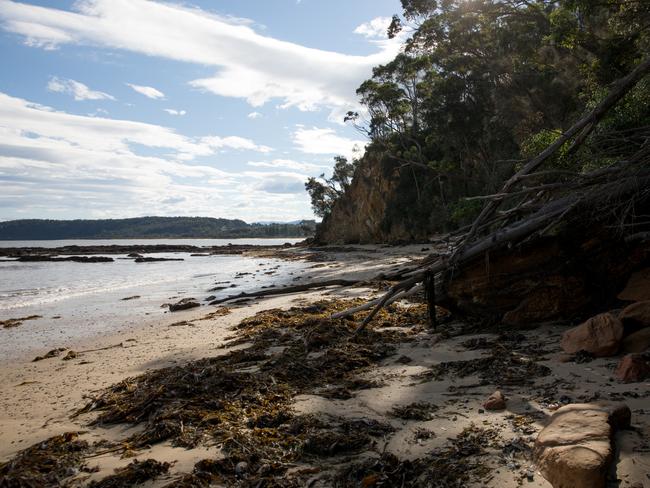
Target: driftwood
{"type": "Point", "coordinates": [541, 207]}
{"type": "Point", "coordinates": [287, 290]}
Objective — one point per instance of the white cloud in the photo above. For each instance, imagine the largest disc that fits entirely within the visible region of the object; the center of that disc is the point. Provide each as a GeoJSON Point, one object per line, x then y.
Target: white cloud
{"type": "Point", "coordinates": [172, 111]}
{"type": "Point", "coordinates": [77, 89]}
{"type": "Point", "coordinates": [147, 91]}
{"type": "Point", "coordinates": [326, 141]}
{"type": "Point", "coordinates": [249, 65]}
{"type": "Point", "coordinates": [56, 164]}
{"type": "Point", "coordinates": [377, 28]}
{"type": "Point", "coordinates": [254, 115]}
{"type": "Point", "coordinates": [288, 164]}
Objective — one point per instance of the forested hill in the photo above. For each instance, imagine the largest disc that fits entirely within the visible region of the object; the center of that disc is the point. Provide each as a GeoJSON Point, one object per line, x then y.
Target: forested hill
{"type": "Point", "coordinates": [148, 227]}
{"type": "Point", "coordinates": [480, 88]}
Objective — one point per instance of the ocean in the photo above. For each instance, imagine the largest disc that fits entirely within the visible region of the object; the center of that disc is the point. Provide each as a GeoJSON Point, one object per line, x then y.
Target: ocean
{"type": "Point", "coordinates": [84, 300]}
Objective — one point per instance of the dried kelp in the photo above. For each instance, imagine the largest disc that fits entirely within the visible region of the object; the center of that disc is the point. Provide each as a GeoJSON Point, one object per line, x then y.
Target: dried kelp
{"type": "Point", "coordinates": [132, 474]}
{"type": "Point", "coordinates": [46, 463]}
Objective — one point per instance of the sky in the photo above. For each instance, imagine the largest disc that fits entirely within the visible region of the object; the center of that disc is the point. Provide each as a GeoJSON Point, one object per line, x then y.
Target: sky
{"type": "Point", "coordinates": [222, 108]}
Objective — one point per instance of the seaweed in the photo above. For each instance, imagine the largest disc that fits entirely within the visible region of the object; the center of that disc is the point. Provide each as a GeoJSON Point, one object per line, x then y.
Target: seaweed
{"type": "Point", "coordinates": [10, 323]}
{"type": "Point", "coordinates": [132, 474]}
{"type": "Point", "coordinates": [452, 466]}
{"type": "Point", "coordinates": [414, 411]}
{"type": "Point", "coordinates": [46, 463]}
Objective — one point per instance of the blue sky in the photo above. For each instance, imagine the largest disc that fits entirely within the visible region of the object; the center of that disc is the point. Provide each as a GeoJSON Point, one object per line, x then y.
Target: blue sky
{"type": "Point", "coordinates": [124, 108]}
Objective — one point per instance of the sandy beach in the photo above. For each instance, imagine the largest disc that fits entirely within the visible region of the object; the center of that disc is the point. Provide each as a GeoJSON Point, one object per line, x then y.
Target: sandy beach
{"type": "Point", "coordinates": [38, 398]}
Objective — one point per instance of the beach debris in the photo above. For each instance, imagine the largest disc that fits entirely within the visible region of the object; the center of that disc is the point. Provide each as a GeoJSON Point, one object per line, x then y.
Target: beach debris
{"type": "Point", "coordinates": [496, 401]}
{"type": "Point", "coordinates": [414, 411]}
{"type": "Point", "coordinates": [71, 355]}
{"type": "Point", "coordinates": [50, 354]}
{"type": "Point", "coordinates": [134, 473]}
{"type": "Point", "coordinates": [134, 297]}
{"type": "Point", "coordinates": [10, 323]}
{"type": "Point", "coordinates": [46, 463]}
{"type": "Point", "coordinates": [184, 304]}
{"type": "Point", "coordinates": [632, 368]}
{"type": "Point", "coordinates": [155, 260]}
{"type": "Point", "coordinates": [575, 448]}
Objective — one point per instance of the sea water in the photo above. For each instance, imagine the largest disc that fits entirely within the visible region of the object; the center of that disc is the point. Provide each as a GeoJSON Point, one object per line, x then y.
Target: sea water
{"type": "Point", "coordinates": [84, 300]}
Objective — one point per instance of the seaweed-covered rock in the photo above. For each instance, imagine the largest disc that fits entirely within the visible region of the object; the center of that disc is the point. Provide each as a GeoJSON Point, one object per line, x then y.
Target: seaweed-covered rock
{"type": "Point", "coordinates": [600, 335]}
{"type": "Point", "coordinates": [184, 304]}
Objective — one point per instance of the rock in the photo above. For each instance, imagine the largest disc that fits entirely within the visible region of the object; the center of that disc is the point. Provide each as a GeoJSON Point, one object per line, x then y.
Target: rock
{"type": "Point", "coordinates": [637, 342]}
{"type": "Point", "coordinates": [632, 368]}
{"type": "Point", "coordinates": [574, 450]}
{"type": "Point", "coordinates": [637, 288]}
{"type": "Point", "coordinates": [183, 304]}
{"type": "Point", "coordinates": [496, 401]}
{"type": "Point", "coordinates": [600, 335]}
{"type": "Point", "coordinates": [156, 260]}
{"type": "Point", "coordinates": [134, 297]}
{"type": "Point", "coordinates": [75, 259]}
{"type": "Point", "coordinates": [636, 315]}
{"type": "Point", "coordinates": [70, 355]}
{"type": "Point", "coordinates": [134, 255]}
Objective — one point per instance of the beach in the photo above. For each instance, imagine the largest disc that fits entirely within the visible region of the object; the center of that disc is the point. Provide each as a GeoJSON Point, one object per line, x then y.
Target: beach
{"type": "Point", "coordinates": [439, 405]}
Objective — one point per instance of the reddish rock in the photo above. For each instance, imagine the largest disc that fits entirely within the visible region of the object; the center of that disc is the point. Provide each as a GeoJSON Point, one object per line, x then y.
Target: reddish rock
{"type": "Point", "coordinates": [632, 368]}
{"type": "Point", "coordinates": [637, 342]}
{"type": "Point", "coordinates": [574, 450]}
{"type": "Point", "coordinates": [637, 314]}
{"type": "Point", "coordinates": [637, 288]}
{"type": "Point", "coordinates": [496, 401]}
{"type": "Point", "coordinates": [600, 335]}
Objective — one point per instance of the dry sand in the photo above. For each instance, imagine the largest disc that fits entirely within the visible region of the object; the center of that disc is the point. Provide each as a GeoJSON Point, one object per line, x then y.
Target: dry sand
{"type": "Point", "coordinates": [37, 399]}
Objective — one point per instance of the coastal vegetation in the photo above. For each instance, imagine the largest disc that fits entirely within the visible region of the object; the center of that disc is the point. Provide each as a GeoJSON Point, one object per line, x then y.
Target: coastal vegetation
{"type": "Point", "coordinates": [481, 87]}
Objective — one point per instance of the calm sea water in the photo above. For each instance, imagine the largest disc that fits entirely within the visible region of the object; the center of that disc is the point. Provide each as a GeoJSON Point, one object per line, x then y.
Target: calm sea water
{"type": "Point", "coordinates": [83, 300]}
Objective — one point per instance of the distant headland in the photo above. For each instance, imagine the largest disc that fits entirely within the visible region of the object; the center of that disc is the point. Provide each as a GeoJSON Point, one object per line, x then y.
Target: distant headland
{"type": "Point", "coordinates": [151, 228]}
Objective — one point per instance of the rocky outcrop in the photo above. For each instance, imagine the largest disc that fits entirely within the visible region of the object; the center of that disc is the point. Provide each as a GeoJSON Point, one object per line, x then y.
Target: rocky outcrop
{"type": "Point", "coordinates": [636, 315]}
{"type": "Point", "coordinates": [575, 449]}
{"type": "Point", "coordinates": [600, 335]}
{"type": "Point", "coordinates": [632, 368]}
{"type": "Point", "coordinates": [637, 288]}
{"type": "Point", "coordinates": [381, 205]}
{"type": "Point", "coordinates": [568, 276]}
{"type": "Point", "coordinates": [637, 342]}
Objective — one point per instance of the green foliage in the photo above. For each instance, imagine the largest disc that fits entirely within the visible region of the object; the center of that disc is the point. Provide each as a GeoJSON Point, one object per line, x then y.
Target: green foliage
{"type": "Point", "coordinates": [324, 192]}
{"type": "Point", "coordinates": [463, 212]}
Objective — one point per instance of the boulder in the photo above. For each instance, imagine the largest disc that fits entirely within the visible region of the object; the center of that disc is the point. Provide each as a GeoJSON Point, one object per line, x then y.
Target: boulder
{"type": "Point", "coordinates": [632, 368]}
{"type": "Point", "coordinates": [600, 335]}
{"type": "Point", "coordinates": [636, 315]}
{"type": "Point", "coordinates": [183, 304]}
{"type": "Point", "coordinates": [574, 450]}
{"type": "Point", "coordinates": [637, 288]}
{"type": "Point", "coordinates": [496, 401]}
{"type": "Point", "coordinates": [637, 342]}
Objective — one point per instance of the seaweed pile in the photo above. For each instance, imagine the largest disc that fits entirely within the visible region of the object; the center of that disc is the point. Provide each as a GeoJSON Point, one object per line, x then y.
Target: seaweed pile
{"type": "Point", "coordinates": [508, 362]}
{"type": "Point", "coordinates": [453, 466]}
{"type": "Point", "coordinates": [46, 463]}
{"type": "Point", "coordinates": [241, 401]}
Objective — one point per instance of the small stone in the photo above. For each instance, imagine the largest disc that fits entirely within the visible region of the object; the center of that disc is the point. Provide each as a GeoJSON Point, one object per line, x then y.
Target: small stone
{"type": "Point", "coordinates": [632, 368]}
{"type": "Point", "coordinates": [480, 410]}
{"type": "Point", "coordinates": [241, 468]}
{"type": "Point", "coordinates": [496, 401]}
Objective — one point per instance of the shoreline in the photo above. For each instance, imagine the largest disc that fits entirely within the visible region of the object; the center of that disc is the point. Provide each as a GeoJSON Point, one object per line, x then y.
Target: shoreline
{"type": "Point", "coordinates": [38, 398]}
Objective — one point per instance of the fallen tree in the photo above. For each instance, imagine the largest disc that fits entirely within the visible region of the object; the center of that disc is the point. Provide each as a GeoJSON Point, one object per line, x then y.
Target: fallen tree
{"type": "Point", "coordinates": [547, 207]}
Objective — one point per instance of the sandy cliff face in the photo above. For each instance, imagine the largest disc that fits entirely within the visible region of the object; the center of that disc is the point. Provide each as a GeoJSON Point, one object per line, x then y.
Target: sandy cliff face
{"type": "Point", "coordinates": [378, 207]}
